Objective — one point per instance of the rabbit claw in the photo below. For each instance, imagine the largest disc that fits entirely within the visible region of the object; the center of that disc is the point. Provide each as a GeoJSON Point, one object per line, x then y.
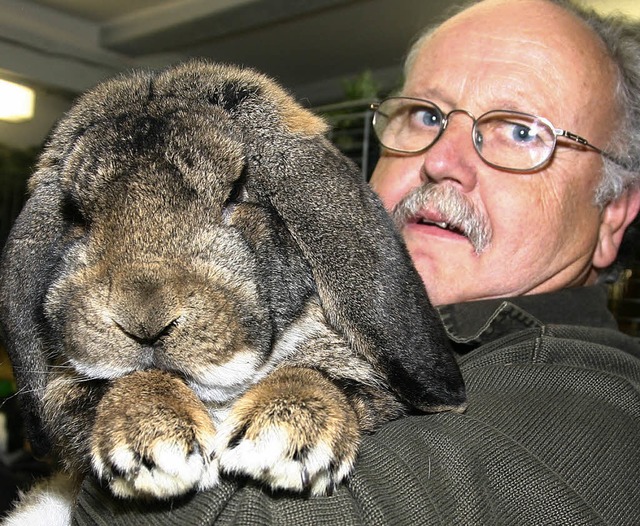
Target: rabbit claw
{"type": "Point", "coordinates": [169, 450]}
{"type": "Point", "coordinates": [291, 431]}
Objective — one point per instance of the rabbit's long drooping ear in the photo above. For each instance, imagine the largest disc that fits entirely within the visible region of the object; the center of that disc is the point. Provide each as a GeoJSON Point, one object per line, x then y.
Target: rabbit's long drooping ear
{"type": "Point", "coordinates": [28, 264]}
{"type": "Point", "coordinates": [367, 284]}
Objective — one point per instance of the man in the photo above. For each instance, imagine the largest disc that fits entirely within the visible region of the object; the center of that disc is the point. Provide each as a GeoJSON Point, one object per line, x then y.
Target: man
{"type": "Point", "coordinates": [493, 209]}
{"type": "Point", "coordinates": [546, 228]}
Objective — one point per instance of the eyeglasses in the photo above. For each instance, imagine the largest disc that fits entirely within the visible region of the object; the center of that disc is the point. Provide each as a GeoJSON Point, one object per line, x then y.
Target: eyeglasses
{"type": "Point", "coordinates": [508, 140]}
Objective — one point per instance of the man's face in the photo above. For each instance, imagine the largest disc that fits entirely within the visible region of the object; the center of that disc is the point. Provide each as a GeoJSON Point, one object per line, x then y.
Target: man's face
{"type": "Point", "coordinates": [545, 228]}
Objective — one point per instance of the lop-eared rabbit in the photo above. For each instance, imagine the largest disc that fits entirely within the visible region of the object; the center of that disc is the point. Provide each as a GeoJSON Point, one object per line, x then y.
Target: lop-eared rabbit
{"type": "Point", "coordinates": [200, 283]}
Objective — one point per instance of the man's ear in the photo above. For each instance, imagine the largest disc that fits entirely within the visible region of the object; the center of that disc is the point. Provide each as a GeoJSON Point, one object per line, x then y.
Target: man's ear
{"type": "Point", "coordinates": [616, 217]}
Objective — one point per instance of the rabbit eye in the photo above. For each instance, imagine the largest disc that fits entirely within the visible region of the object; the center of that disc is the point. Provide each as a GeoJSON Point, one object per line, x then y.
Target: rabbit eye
{"type": "Point", "coordinates": [238, 191]}
{"type": "Point", "coordinates": [72, 213]}
{"type": "Point", "coordinates": [237, 195]}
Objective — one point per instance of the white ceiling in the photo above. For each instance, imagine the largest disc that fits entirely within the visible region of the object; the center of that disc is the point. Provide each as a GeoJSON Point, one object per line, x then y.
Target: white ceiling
{"type": "Point", "coordinates": [306, 44]}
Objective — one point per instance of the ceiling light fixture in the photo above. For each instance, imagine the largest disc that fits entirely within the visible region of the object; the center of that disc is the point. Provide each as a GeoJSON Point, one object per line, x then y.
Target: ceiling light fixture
{"type": "Point", "coordinates": [17, 102]}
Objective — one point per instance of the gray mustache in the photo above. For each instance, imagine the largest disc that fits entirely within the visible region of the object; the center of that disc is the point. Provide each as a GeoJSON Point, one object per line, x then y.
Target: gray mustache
{"type": "Point", "coordinates": [458, 212]}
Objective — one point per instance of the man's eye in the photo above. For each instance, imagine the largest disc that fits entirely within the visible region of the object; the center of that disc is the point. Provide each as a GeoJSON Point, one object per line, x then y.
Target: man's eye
{"type": "Point", "coordinates": [427, 116]}
{"type": "Point", "coordinates": [521, 133]}
{"type": "Point", "coordinates": [478, 139]}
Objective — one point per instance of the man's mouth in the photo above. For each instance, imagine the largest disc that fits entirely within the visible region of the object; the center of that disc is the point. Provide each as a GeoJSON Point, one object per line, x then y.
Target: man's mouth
{"type": "Point", "coordinates": [441, 211]}
{"type": "Point", "coordinates": [441, 223]}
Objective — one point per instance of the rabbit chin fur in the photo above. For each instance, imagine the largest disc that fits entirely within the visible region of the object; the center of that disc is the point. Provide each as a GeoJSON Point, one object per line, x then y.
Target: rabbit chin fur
{"type": "Point", "coordinates": [200, 278]}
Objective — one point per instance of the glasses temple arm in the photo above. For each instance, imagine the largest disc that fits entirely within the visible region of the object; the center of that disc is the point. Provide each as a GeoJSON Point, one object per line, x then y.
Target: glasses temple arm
{"type": "Point", "coordinates": [576, 138]}
{"type": "Point", "coordinates": [581, 140]}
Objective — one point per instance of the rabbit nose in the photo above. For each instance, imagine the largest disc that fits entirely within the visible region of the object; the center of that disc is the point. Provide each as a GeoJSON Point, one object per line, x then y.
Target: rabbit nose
{"type": "Point", "coordinates": [146, 332]}
{"type": "Point", "coordinates": [146, 313]}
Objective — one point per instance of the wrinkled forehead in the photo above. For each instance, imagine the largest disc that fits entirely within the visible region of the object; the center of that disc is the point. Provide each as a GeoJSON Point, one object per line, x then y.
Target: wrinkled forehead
{"type": "Point", "coordinates": [528, 54]}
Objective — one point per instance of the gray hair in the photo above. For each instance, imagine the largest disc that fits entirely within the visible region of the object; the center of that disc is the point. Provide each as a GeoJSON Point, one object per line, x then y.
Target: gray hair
{"type": "Point", "coordinates": [621, 37]}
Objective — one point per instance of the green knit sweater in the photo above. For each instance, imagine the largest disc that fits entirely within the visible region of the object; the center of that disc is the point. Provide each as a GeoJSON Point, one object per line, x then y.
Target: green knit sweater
{"type": "Point", "coordinates": [551, 436]}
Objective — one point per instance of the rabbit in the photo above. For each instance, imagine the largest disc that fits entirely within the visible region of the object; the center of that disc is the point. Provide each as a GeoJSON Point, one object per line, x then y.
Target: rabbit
{"type": "Point", "coordinates": [200, 283]}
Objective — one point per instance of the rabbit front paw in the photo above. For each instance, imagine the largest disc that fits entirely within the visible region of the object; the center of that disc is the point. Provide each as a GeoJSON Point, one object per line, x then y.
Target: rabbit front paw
{"type": "Point", "coordinates": [295, 430]}
{"type": "Point", "coordinates": [153, 437]}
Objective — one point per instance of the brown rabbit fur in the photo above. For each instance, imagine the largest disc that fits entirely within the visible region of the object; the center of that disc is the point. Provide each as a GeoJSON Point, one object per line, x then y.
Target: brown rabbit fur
{"type": "Point", "coordinates": [200, 282]}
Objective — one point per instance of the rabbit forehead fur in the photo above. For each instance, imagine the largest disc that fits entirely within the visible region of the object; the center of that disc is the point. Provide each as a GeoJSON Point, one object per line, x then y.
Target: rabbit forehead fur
{"type": "Point", "coordinates": [195, 88]}
{"type": "Point", "coordinates": [165, 252]}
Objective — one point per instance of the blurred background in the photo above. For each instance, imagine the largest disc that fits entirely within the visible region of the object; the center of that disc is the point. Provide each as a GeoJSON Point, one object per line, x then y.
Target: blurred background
{"type": "Point", "coordinates": [335, 56]}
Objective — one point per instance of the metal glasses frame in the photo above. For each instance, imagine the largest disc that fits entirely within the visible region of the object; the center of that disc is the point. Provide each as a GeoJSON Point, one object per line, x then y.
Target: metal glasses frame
{"type": "Point", "coordinates": [444, 120]}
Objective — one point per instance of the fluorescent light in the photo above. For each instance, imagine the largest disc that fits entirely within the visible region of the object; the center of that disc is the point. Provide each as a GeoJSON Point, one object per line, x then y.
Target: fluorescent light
{"type": "Point", "coordinates": [17, 102]}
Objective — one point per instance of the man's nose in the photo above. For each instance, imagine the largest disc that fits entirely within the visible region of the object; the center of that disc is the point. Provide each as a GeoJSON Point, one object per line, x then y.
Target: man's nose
{"type": "Point", "coordinates": [453, 158]}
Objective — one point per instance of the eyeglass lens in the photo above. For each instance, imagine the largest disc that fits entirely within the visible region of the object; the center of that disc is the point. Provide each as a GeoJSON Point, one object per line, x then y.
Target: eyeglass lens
{"type": "Point", "coordinates": [506, 139]}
